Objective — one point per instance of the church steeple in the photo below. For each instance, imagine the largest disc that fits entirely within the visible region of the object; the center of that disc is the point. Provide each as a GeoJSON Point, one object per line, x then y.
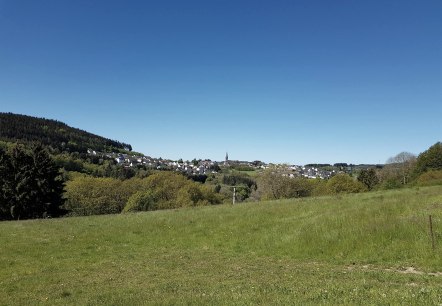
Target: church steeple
{"type": "Point", "coordinates": [226, 161]}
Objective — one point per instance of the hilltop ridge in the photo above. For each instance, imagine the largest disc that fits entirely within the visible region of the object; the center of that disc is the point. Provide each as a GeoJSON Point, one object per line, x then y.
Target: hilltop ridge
{"type": "Point", "coordinates": [55, 134]}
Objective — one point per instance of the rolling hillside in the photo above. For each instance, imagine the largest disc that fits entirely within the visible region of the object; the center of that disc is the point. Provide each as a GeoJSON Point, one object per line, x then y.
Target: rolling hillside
{"type": "Point", "coordinates": [56, 134]}
{"type": "Point", "coordinates": [372, 248]}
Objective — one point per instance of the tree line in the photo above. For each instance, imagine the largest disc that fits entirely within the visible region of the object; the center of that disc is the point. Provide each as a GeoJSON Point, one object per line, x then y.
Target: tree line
{"type": "Point", "coordinates": [404, 169]}
{"type": "Point", "coordinates": [33, 185]}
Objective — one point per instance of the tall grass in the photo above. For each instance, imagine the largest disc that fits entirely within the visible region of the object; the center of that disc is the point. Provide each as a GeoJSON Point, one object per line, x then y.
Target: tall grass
{"type": "Point", "coordinates": [317, 250]}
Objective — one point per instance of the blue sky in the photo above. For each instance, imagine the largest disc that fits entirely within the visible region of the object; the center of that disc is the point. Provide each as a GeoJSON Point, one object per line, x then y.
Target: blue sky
{"type": "Point", "coordinates": [277, 81]}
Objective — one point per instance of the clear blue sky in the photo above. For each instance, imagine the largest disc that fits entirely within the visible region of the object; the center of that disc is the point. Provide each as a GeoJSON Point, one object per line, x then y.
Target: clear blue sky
{"type": "Point", "coordinates": [278, 81]}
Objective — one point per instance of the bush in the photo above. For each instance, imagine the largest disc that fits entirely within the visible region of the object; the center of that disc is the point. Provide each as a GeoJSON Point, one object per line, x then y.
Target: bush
{"type": "Point", "coordinates": [236, 179]}
{"type": "Point", "coordinates": [430, 178]}
{"type": "Point", "coordinates": [191, 195]}
{"type": "Point", "coordinates": [163, 190]}
{"type": "Point", "coordinates": [391, 183]}
{"type": "Point", "coordinates": [319, 187]}
{"type": "Point", "coordinates": [369, 178]}
{"type": "Point", "coordinates": [141, 201]}
{"type": "Point", "coordinates": [343, 183]}
{"type": "Point", "coordinates": [95, 196]}
{"type": "Point", "coordinates": [168, 190]}
{"type": "Point", "coordinates": [272, 186]}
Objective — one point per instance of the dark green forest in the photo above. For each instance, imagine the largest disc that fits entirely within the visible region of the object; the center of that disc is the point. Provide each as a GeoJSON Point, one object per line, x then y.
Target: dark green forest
{"type": "Point", "coordinates": [54, 134]}
{"type": "Point", "coordinates": [31, 185]}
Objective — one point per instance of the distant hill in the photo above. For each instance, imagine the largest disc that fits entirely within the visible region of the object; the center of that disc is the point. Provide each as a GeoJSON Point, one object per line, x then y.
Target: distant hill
{"type": "Point", "coordinates": [53, 133]}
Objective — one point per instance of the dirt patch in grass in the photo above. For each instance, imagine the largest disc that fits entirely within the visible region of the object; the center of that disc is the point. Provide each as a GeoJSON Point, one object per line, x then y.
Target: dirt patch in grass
{"type": "Point", "coordinates": [401, 270]}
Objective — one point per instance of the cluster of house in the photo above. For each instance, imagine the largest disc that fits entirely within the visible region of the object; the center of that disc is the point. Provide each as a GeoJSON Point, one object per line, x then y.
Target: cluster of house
{"type": "Point", "coordinates": [205, 167]}
{"type": "Point", "coordinates": [200, 167]}
{"type": "Point", "coordinates": [310, 172]}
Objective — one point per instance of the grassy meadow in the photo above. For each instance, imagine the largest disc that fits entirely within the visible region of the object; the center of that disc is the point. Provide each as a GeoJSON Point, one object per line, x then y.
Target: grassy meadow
{"type": "Point", "coordinates": [369, 248]}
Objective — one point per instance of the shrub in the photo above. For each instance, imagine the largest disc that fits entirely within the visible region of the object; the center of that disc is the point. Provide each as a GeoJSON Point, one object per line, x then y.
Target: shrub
{"type": "Point", "coordinates": [432, 177]}
{"type": "Point", "coordinates": [369, 178]}
{"type": "Point", "coordinates": [95, 196]}
{"type": "Point", "coordinates": [391, 183]}
{"type": "Point", "coordinates": [272, 186]}
{"type": "Point", "coordinates": [319, 187]}
{"type": "Point", "coordinates": [343, 183]}
{"type": "Point", "coordinates": [141, 201]}
{"type": "Point", "coordinates": [191, 195]}
{"type": "Point", "coordinates": [168, 190]}
{"type": "Point", "coordinates": [239, 179]}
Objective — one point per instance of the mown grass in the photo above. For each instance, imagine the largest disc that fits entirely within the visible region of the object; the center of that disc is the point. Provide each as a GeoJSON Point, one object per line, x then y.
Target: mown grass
{"type": "Point", "coordinates": [351, 249]}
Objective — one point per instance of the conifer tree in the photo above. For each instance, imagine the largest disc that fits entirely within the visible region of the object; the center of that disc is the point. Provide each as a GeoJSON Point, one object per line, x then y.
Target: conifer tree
{"type": "Point", "coordinates": [5, 177]}
{"type": "Point", "coordinates": [30, 184]}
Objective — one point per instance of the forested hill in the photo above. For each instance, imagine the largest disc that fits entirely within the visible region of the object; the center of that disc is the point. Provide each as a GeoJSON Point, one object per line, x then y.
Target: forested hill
{"type": "Point", "coordinates": [56, 134]}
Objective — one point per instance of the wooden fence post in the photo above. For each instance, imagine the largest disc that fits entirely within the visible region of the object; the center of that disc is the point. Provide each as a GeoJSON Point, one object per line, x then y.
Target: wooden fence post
{"type": "Point", "coordinates": [431, 233]}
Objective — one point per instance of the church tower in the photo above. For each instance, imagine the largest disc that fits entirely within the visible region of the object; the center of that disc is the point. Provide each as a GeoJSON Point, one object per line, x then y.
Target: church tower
{"type": "Point", "coordinates": [226, 161]}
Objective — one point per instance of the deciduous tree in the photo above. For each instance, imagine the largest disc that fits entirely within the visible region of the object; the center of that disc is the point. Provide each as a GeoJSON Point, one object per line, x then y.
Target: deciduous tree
{"type": "Point", "coordinates": [430, 159]}
{"type": "Point", "coordinates": [401, 165]}
{"type": "Point", "coordinates": [369, 178]}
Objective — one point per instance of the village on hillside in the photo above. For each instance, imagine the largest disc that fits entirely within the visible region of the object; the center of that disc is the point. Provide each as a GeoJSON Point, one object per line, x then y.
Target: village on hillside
{"type": "Point", "coordinates": [207, 166]}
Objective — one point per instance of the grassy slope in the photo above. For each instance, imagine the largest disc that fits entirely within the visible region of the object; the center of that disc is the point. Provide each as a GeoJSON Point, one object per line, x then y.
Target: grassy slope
{"type": "Point", "coordinates": [338, 250]}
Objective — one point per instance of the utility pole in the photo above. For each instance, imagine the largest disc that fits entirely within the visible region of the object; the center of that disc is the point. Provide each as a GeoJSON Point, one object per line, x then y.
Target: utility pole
{"type": "Point", "coordinates": [234, 194]}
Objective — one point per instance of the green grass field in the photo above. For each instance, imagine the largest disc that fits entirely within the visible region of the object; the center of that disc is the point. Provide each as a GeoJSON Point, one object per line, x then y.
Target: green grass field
{"type": "Point", "coordinates": [371, 248]}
